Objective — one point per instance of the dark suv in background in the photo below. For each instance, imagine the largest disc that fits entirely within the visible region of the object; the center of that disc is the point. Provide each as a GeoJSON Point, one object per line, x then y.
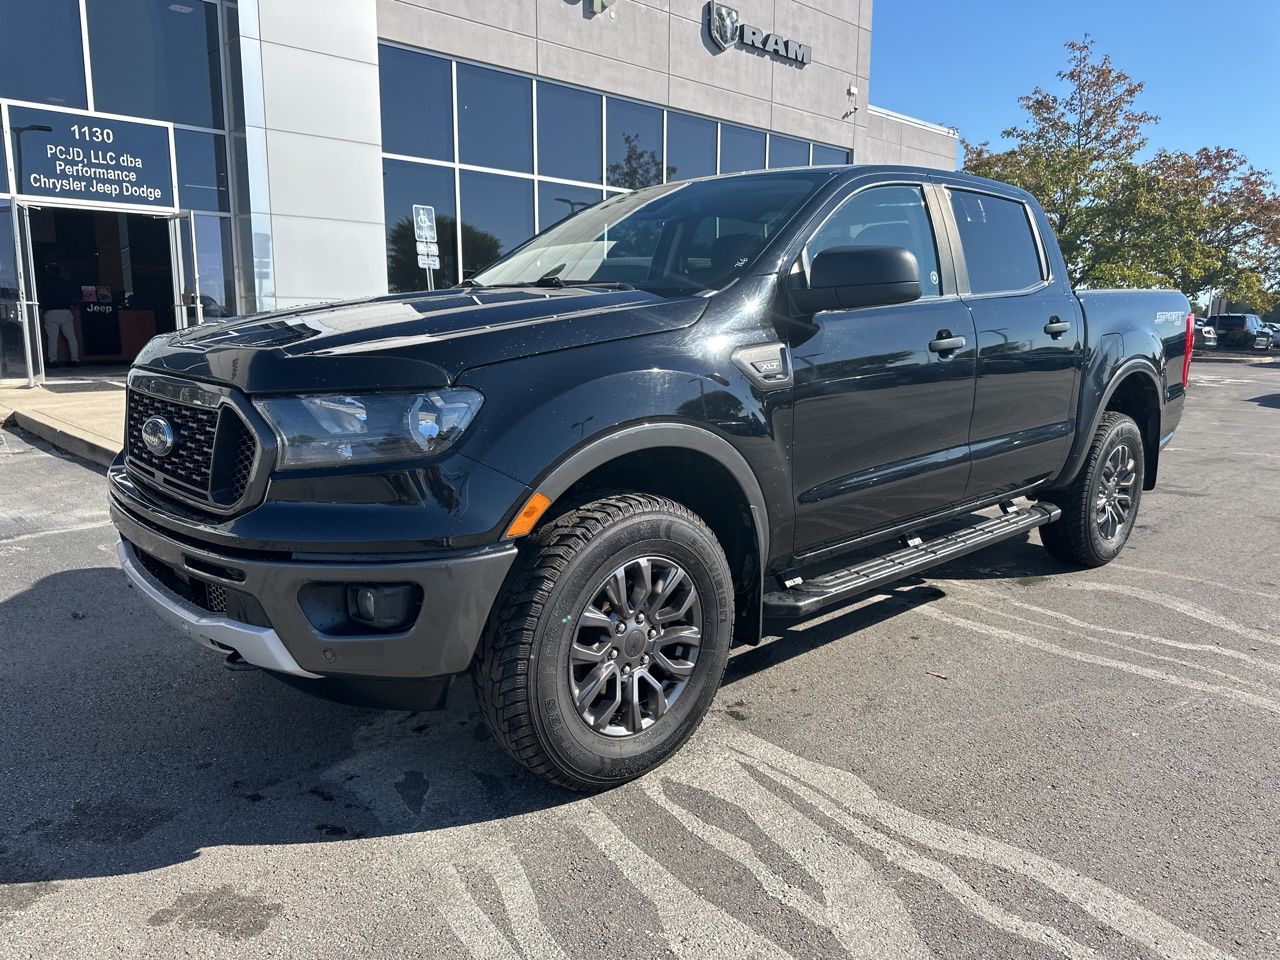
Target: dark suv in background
{"type": "Point", "coordinates": [1241, 331]}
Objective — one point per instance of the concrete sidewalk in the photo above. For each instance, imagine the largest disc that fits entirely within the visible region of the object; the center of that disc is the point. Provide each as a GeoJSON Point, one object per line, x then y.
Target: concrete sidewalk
{"type": "Point", "coordinates": [81, 415]}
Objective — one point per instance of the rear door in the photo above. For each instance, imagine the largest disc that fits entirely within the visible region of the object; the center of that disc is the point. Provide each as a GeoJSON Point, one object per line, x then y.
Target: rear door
{"type": "Point", "coordinates": [881, 419]}
{"type": "Point", "coordinates": [1030, 342]}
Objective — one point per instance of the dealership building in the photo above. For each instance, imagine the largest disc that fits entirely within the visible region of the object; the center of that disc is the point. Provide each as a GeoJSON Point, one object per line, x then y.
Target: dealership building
{"type": "Point", "coordinates": [167, 163]}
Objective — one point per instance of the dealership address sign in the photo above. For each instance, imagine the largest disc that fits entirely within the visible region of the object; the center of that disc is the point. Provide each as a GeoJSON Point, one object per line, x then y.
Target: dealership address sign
{"type": "Point", "coordinates": [64, 155]}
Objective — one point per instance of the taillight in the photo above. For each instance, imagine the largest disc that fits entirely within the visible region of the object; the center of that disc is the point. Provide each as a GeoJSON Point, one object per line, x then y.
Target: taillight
{"type": "Point", "coordinates": [1191, 343]}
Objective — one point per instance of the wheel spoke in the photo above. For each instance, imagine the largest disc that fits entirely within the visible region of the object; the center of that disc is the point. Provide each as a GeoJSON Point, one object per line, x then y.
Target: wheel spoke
{"type": "Point", "coordinates": [590, 687]}
{"type": "Point", "coordinates": [690, 636]}
{"type": "Point", "coordinates": [593, 618]}
{"type": "Point", "coordinates": [658, 697]}
{"type": "Point", "coordinates": [616, 589]}
{"type": "Point", "coordinates": [680, 669]}
{"type": "Point", "coordinates": [643, 589]}
{"type": "Point", "coordinates": [669, 583]}
{"type": "Point", "coordinates": [678, 611]}
{"type": "Point", "coordinates": [607, 710]}
{"type": "Point", "coordinates": [582, 653]}
{"type": "Point", "coordinates": [635, 717]}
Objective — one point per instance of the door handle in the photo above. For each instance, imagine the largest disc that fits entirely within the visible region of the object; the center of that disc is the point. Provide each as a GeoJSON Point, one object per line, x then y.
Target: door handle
{"type": "Point", "coordinates": [947, 344]}
{"type": "Point", "coordinates": [1056, 328]}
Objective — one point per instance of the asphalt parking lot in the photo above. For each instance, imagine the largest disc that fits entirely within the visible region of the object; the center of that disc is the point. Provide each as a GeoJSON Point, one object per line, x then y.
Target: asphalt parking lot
{"type": "Point", "coordinates": [1012, 759]}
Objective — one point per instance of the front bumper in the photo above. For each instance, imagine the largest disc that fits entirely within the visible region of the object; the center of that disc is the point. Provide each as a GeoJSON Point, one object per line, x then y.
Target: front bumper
{"type": "Point", "coordinates": [272, 630]}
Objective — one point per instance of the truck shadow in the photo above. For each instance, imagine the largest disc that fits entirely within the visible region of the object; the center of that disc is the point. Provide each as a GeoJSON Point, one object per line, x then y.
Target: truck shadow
{"type": "Point", "coordinates": [126, 748]}
{"type": "Point", "coordinates": [1020, 559]}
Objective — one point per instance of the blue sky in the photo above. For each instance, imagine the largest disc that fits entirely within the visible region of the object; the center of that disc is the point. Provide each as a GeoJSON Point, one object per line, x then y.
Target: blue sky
{"type": "Point", "coordinates": [1212, 70]}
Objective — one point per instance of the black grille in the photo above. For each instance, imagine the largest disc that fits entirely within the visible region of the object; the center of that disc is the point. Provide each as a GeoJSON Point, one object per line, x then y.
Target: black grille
{"type": "Point", "coordinates": [213, 450]}
{"type": "Point", "coordinates": [209, 597]}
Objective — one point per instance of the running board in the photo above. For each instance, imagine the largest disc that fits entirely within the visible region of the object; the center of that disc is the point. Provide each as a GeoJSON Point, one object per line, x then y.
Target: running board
{"type": "Point", "coordinates": [810, 596]}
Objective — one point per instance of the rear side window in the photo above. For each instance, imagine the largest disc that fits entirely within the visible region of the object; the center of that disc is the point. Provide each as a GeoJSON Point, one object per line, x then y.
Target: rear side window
{"type": "Point", "coordinates": [999, 248]}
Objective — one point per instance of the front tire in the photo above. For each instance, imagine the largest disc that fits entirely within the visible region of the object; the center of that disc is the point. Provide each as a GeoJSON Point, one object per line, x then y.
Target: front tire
{"type": "Point", "coordinates": [608, 642]}
{"type": "Point", "coordinates": [1100, 506]}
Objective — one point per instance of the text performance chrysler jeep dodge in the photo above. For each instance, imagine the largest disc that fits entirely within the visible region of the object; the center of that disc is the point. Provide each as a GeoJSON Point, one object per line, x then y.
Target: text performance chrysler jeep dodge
{"type": "Point", "coordinates": [585, 473]}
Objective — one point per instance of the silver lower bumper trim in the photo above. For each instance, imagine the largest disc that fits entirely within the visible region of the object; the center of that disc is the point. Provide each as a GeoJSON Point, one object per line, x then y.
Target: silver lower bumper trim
{"type": "Point", "coordinates": [260, 646]}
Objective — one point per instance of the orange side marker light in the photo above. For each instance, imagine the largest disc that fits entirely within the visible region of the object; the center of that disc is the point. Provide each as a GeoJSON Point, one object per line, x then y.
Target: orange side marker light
{"type": "Point", "coordinates": [528, 515]}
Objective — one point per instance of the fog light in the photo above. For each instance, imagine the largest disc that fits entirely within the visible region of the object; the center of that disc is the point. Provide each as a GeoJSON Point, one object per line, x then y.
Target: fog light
{"type": "Point", "coordinates": [386, 606]}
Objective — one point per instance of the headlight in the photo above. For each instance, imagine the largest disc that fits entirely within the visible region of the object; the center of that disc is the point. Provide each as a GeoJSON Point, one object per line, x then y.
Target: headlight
{"type": "Point", "coordinates": [333, 429]}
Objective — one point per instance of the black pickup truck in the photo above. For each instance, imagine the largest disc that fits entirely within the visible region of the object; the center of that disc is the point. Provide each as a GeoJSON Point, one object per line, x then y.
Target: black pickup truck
{"type": "Point", "coordinates": [587, 472]}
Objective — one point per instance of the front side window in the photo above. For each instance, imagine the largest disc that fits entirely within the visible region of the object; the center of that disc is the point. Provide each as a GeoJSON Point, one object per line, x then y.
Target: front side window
{"type": "Point", "coordinates": [156, 59]}
{"type": "Point", "coordinates": [999, 248]}
{"type": "Point", "coordinates": [675, 240]}
{"type": "Point", "coordinates": [889, 216]}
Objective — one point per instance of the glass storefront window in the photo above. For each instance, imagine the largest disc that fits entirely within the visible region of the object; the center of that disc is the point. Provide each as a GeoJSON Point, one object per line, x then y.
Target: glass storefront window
{"type": "Point", "coordinates": [635, 144]}
{"type": "Point", "coordinates": [497, 216]}
{"type": "Point", "coordinates": [417, 103]}
{"type": "Point", "coordinates": [495, 119]}
{"type": "Point", "coordinates": [202, 170]}
{"type": "Point", "coordinates": [558, 200]}
{"type": "Point", "coordinates": [825, 155]}
{"type": "Point", "coordinates": [691, 147]}
{"type": "Point", "coordinates": [43, 56]}
{"type": "Point", "coordinates": [214, 266]}
{"type": "Point", "coordinates": [403, 185]}
{"type": "Point", "coordinates": [787, 152]}
{"type": "Point", "coordinates": [568, 133]}
{"type": "Point", "coordinates": [157, 59]}
{"type": "Point", "coordinates": [740, 149]}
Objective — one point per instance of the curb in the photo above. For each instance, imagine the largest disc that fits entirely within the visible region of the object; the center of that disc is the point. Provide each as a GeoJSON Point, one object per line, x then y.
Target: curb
{"type": "Point", "coordinates": [64, 436]}
{"type": "Point", "coordinates": [1261, 360]}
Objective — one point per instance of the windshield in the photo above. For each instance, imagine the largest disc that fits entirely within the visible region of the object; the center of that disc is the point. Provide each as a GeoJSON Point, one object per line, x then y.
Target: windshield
{"type": "Point", "coordinates": [677, 239]}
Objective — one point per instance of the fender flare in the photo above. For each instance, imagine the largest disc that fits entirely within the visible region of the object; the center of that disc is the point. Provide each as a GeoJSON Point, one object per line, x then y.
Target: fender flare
{"type": "Point", "coordinates": [1141, 365]}
{"type": "Point", "coordinates": [645, 436]}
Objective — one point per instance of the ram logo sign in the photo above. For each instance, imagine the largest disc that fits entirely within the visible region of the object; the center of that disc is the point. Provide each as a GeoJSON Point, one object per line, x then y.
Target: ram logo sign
{"type": "Point", "coordinates": [726, 29]}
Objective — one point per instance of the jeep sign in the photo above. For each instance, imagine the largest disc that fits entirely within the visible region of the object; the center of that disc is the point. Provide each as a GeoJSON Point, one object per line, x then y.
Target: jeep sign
{"type": "Point", "coordinates": [726, 31]}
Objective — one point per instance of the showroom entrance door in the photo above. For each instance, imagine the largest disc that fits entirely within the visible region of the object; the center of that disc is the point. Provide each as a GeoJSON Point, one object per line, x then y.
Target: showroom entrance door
{"type": "Point", "coordinates": [19, 309]}
{"type": "Point", "coordinates": [96, 285]}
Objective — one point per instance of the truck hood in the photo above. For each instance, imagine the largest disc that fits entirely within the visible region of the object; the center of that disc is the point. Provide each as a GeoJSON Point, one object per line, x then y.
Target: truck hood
{"type": "Point", "coordinates": [409, 342]}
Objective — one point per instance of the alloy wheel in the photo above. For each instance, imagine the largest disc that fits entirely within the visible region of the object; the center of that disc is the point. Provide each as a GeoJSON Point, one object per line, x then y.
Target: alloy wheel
{"type": "Point", "coordinates": [1114, 503]}
{"type": "Point", "coordinates": [635, 646]}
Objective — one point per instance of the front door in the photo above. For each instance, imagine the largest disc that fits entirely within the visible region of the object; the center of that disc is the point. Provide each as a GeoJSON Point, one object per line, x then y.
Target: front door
{"type": "Point", "coordinates": [881, 419]}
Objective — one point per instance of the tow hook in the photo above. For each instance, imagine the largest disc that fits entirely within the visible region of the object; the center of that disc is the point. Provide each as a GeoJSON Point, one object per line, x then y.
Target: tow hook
{"type": "Point", "coordinates": [236, 662]}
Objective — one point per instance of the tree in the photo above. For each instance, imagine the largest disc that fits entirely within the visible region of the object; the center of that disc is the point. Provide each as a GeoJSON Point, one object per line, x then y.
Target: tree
{"type": "Point", "coordinates": [1203, 221]}
{"type": "Point", "coordinates": [1077, 152]}
{"type": "Point", "coordinates": [637, 168]}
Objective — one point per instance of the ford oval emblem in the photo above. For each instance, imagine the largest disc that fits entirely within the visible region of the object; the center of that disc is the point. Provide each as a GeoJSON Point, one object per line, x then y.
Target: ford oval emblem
{"type": "Point", "coordinates": [157, 435]}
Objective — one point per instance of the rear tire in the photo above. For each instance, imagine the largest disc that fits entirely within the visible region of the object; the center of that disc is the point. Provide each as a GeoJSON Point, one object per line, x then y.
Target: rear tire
{"type": "Point", "coordinates": [1100, 506]}
{"type": "Point", "coordinates": [591, 616]}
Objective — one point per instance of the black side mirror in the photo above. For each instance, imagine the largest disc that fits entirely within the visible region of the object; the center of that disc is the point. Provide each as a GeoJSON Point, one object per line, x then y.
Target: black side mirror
{"type": "Point", "coordinates": [842, 278]}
